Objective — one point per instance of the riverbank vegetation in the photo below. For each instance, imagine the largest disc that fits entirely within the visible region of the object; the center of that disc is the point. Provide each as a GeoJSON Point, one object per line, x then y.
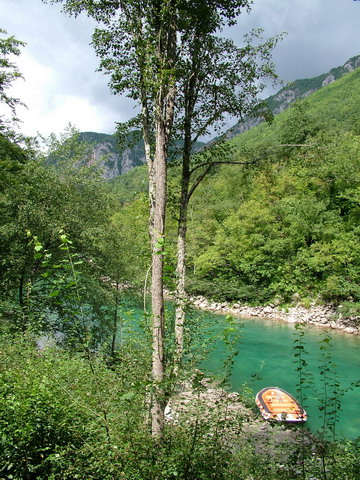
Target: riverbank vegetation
{"type": "Point", "coordinates": [285, 226]}
{"type": "Point", "coordinates": [71, 413]}
{"type": "Point", "coordinates": [288, 225]}
{"type": "Point", "coordinates": [284, 222]}
{"type": "Point", "coordinates": [80, 409]}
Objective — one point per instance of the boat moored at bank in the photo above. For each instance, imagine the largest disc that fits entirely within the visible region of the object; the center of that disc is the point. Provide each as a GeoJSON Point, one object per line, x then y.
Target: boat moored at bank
{"type": "Point", "coordinates": [277, 404]}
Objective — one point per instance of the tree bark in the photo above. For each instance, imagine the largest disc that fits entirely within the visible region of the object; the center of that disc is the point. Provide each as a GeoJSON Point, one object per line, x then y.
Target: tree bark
{"type": "Point", "coordinates": [164, 116]}
{"type": "Point", "coordinates": [115, 320]}
{"type": "Point", "coordinates": [157, 230]}
{"type": "Point", "coordinates": [180, 291]}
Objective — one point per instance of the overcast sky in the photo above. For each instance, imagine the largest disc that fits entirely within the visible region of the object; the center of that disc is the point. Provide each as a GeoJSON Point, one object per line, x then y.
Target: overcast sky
{"type": "Point", "coordinates": [61, 83]}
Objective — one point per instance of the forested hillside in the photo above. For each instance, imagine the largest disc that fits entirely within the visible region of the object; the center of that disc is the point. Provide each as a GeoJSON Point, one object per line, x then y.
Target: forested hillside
{"type": "Point", "coordinates": [288, 224]}
{"type": "Point", "coordinates": [273, 217]}
{"type": "Point", "coordinates": [296, 90]}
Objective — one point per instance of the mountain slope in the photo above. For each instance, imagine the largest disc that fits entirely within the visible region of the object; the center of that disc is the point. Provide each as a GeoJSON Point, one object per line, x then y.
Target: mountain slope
{"type": "Point", "coordinates": [295, 91]}
{"type": "Point", "coordinates": [115, 161]}
{"type": "Point", "coordinates": [110, 158]}
{"type": "Point", "coordinates": [337, 104]}
{"type": "Point", "coordinates": [286, 227]}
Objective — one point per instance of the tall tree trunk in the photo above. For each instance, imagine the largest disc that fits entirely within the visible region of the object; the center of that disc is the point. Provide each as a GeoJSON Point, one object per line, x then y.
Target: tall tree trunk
{"type": "Point", "coordinates": [163, 119]}
{"type": "Point", "coordinates": [23, 305]}
{"type": "Point", "coordinates": [115, 320]}
{"type": "Point", "coordinates": [180, 291]}
{"type": "Point", "coordinates": [158, 196]}
{"type": "Point", "coordinates": [158, 181]}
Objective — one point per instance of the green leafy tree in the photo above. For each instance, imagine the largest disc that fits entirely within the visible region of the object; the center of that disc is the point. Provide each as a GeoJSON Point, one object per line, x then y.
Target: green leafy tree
{"type": "Point", "coordinates": [9, 72]}
{"type": "Point", "coordinates": [140, 46]}
{"type": "Point", "coordinates": [282, 228]}
{"type": "Point", "coordinates": [44, 199]}
{"type": "Point", "coordinates": [219, 81]}
{"type": "Point", "coordinates": [300, 125]}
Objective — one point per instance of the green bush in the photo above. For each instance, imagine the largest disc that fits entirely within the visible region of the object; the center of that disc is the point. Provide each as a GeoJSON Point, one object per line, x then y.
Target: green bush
{"type": "Point", "coordinates": [65, 417]}
{"type": "Point", "coordinates": [226, 289]}
{"type": "Point", "coordinates": [56, 410]}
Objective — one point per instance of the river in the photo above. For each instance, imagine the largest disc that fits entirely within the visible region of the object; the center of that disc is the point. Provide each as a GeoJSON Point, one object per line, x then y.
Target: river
{"type": "Point", "coordinates": [266, 358]}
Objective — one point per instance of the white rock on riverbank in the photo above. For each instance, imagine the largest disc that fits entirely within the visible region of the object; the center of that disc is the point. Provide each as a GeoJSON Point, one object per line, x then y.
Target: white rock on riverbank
{"type": "Point", "coordinates": [321, 316]}
{"type": "Point", "coordinates": [216, 412]}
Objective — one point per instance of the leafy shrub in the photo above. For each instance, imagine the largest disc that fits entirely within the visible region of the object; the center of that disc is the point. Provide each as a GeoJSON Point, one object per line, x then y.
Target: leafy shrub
{"type": "Point", "coordinates": [225, 289]}
{"type": "Point", "coordinates": [65, 417]}
{"type": "Point", "coordinates": [350, 309]}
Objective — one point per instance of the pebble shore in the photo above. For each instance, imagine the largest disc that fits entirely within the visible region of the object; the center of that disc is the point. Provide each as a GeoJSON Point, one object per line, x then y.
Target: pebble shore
{"type": "Point", "coordinates": [317, 315]}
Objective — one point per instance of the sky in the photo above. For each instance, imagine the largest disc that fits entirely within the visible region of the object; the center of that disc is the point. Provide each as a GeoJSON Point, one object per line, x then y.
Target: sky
{"type": "Point", "coordinates": [62, 86]}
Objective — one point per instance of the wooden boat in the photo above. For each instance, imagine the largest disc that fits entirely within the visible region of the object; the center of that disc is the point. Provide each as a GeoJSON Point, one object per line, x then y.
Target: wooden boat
{"type": "Point", "coordinates": [276, 404]}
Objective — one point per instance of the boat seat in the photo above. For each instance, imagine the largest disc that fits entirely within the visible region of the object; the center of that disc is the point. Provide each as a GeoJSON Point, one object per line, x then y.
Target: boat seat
{"type": "Point", "coordinates": [282, 410]}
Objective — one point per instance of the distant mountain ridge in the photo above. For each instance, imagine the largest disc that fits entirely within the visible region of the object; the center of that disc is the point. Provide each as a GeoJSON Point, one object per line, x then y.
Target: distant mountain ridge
{"type": "Point", "coordinates": [115, 161]}
{"type": "Point", "coordinates": [295, 91]}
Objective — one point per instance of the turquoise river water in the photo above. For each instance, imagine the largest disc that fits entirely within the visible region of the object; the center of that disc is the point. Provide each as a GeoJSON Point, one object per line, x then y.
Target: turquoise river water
{"type": "Point", "coordinates": [266, 349]}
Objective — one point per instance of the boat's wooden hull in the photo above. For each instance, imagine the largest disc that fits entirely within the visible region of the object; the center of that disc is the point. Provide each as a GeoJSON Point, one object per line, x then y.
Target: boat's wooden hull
{"type": "Point", "coordinates": [276, 404]}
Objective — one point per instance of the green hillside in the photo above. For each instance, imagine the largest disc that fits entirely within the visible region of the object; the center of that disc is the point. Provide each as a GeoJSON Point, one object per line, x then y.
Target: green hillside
{"type": "Point", "coordinates": [287, 226]}
{"type": "Point", "coordinates": [303, 86]}
{"type": "Point", "coordinates": [336, 104]}
{"type": "Point", "coordinates": [100, 378]}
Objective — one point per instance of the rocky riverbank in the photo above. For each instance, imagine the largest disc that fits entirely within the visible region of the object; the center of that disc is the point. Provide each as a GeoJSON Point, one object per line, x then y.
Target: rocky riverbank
{"type": "Point", "coordinates": [213, 412]}
{"type": "Point", "coordinates": [317, 315]}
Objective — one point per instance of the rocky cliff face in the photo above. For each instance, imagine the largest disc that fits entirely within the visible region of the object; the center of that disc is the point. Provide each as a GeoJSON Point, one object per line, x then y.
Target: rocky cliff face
{"type": "Point", "coordinates": [107, 155]}
{"type": "Point", "coordinates": [114, 161]}
{"type": "Point", "coordinates": [295, 91]}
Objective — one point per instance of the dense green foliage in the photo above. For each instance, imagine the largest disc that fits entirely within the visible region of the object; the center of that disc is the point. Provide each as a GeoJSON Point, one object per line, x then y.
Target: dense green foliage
{"type": "Point", "coordinates": [127, 187]}
{"type": "Point", "coordinates": [66, 416]}
{"type": "Point", "coordinates": [292, 229]}
{"type": "Point", "coordinates": [9, 48]}
{"type": "Point", "coordinates": [303, 87]}
{"type": "Point", "coordinates": [287, 224]}
{"type": "Point", "coordinates": [70, 242]}
{"type": "Point", "coordinates": [40, 204]}
{"type": "Point", "coordinates": [80, 410]}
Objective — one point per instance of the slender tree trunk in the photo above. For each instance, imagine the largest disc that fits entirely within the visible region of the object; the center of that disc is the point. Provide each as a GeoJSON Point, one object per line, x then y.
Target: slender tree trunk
{"type": "Point", "coordinates": [180, 291]}
{"type": "Point", "coordinates": [157, 168]}
{"type": "Point", "coordinates": [157, 172]}
{"type": "Point", "coordinates": [24, 312]}
{"type": "Point", "coordinates": [164, 120]}
{"type": "Point", "coordinates": [157, 231]}
{"type": "Point", "coordinates": [115, 320]}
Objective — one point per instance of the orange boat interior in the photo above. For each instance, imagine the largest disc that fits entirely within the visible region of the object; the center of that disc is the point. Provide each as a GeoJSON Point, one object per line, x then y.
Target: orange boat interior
{"type": "Point", "coordinates": [279, 402]}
